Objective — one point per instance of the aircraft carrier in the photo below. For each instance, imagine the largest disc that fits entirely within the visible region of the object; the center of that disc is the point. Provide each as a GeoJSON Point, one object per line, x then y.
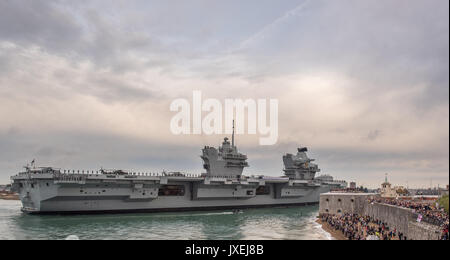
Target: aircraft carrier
{"type": "Point", "coordinates": [48, 190]}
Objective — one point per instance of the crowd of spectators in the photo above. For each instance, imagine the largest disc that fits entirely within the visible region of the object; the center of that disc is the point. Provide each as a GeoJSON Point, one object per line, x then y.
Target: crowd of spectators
{"type": "Point", "coordinates": [355, 227]}
{"type": "Point", "coordinates": [426, 211]}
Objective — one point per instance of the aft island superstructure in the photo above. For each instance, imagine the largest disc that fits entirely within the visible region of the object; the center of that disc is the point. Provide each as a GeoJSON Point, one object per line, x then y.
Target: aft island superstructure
{"type": "Point", "coordinates": [222, 186]}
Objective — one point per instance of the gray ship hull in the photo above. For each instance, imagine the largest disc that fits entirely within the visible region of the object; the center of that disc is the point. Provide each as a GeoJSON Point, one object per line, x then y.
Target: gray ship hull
{"type": "Point", "coordinates": [48, 190]}
{"type": "Point", "coordinates": [94, 194]}
{"type": "Point", "coordinates": [116, 207]}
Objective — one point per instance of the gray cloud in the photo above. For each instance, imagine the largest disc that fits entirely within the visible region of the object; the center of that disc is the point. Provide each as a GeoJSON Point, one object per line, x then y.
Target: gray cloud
{"type": "Point", "coordinates": [79, 34]}
{"type": "Point", "coordinates": [373, 135]}
{"type": "Point", "coordinates": [39, 23]}
{"type": "Point", "coordinates": [364, 84]}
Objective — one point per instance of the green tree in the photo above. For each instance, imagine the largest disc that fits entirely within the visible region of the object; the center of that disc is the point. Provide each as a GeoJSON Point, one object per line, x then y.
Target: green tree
{"type": "Point", "coordinates": [443, 202]}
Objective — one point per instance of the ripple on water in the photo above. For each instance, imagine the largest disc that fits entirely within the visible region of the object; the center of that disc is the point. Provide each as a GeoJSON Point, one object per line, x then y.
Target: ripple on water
{"type": "Point", "coordinates": [256, 224]}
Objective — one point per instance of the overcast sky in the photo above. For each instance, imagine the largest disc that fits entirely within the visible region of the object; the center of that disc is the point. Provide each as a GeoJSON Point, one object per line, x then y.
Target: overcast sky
{"type": "Point", "coordinates": [363, 84]}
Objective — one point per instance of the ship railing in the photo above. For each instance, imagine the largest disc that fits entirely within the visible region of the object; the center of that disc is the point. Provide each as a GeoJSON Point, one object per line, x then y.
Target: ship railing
{"type": "Point", "coordinates": [78, 172]}
{"type": "Point", "coordinates": [236, 177]}
{"type": "Point", "coordinates": [141, 174]}
{"type": "Point", "coordinates": [70, 179]}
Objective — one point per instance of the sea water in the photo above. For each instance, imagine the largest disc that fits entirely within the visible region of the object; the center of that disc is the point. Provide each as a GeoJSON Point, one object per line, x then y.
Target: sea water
{"type": "Point", "coordinates": [297, 223]}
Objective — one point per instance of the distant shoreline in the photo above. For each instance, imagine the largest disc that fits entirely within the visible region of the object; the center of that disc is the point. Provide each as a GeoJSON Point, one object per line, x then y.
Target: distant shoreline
{"type": "Point", "coordinates": [8, 196]}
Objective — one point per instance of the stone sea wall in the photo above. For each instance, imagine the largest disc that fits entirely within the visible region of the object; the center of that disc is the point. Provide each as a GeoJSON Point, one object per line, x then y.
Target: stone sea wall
{"type": "Point", "coordinates": [423, 231]}
{"type": "Point", "coordinates": [403, 219]}
{"type": "Point", "coordinates": [394, 216]}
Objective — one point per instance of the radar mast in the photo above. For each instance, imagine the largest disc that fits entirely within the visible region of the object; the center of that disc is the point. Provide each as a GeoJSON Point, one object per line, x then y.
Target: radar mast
{"type": "Point", "coordinates": [232, 137]}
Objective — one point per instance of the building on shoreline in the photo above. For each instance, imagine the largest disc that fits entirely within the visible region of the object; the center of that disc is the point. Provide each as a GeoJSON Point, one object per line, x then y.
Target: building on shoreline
{"type": "Point", "coordinates": [387, 191]}
{"type": "Point", "coordinates": [340, 203]}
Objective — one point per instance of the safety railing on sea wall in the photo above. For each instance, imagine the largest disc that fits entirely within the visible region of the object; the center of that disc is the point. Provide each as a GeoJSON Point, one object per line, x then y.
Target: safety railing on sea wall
{"type": "Point", "coordinates": [419, 217]}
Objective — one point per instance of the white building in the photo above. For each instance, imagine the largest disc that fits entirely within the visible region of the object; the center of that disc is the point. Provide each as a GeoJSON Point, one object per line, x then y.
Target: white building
{"type": "Point", "coordinates": [387, 191]}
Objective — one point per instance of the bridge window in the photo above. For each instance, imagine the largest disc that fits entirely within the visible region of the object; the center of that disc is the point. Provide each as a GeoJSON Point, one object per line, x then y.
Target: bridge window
{"type": "Point", "coordinates": [263, 190]}
{"type": "Point", "coordinates": [171, 190]}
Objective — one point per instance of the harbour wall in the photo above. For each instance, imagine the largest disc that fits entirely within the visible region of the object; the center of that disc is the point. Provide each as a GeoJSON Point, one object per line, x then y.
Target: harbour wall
{"type": "Point", "coordinates": [394, 216]}
{"type": "Point", "coordinates": [402, 219]}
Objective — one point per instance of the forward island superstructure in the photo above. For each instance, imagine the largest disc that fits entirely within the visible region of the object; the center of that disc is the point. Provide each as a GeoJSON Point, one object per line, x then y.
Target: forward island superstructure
{"type": "Point", "coordinates": [222, 186]}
